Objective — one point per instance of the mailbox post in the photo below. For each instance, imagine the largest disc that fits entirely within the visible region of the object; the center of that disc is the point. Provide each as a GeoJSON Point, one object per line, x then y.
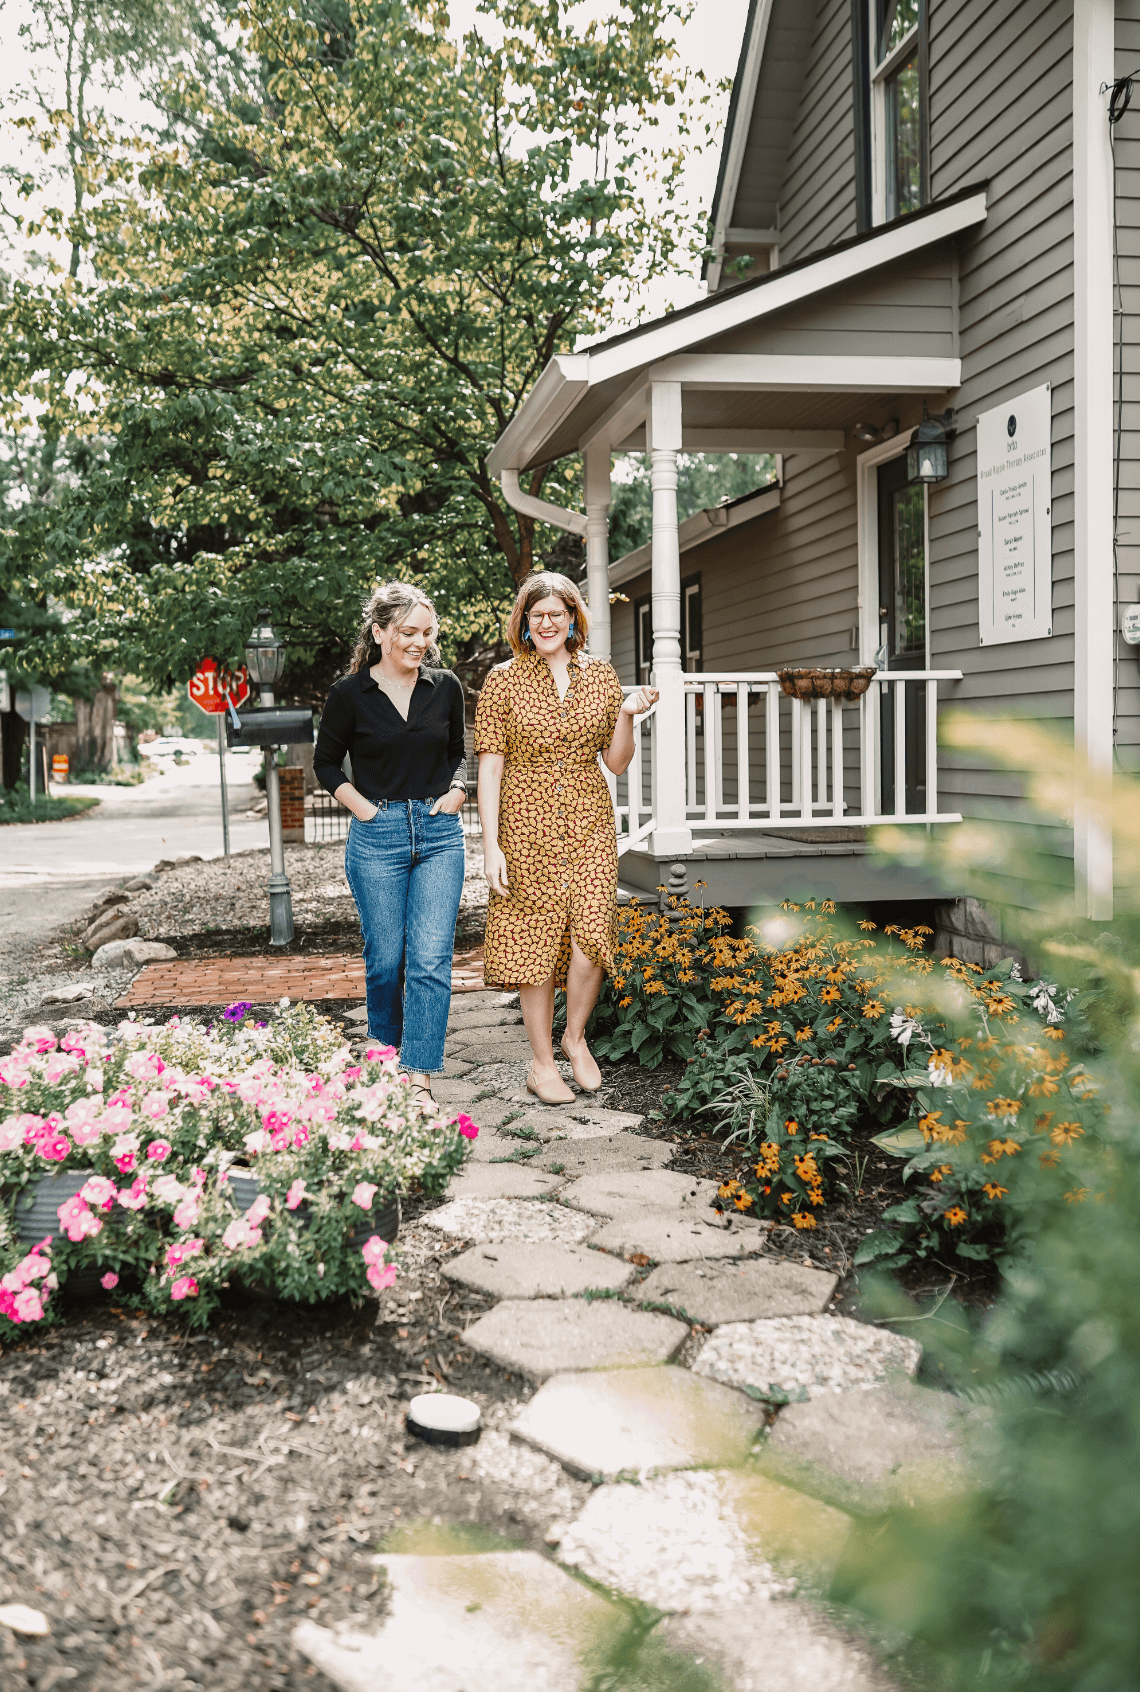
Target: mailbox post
{"type": "Point", "coordinates": [265, 660]}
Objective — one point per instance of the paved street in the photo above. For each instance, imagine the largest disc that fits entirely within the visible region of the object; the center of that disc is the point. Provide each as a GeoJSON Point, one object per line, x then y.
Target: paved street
{"type": "Point", "coordinates": [51, 871]}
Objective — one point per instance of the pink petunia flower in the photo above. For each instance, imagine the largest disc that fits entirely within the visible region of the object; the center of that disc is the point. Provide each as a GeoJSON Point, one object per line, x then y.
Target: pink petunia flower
{"type": "Point", "coordinates": [295, 1194]}
{"type": "Point", "coordinates": [11, 1133]}
{"type": "Point", "coordinates": [469, 1129]}
{"type": "Point", "coordinates": [363, 1194]}
{"type": "Point", "coordinates": [155, 1104]}
{"type": "Point", "coordinates": [125, 1162]}
{"type": "Point", "coordinates": [82, 1112]}
{"type": "Point", "coordinates": [76, 1220]}
{"type": "Point", "coordinates": [13, 1073]}
{"type": "Point", "coordinates": [258, 1210]}
{"type": "Point", "coordinates": [85, 1133]}
{"type": "Point", "coordinates": [239, 1233]}
{"type": "Point", "coordinates": [29, 1306]}
{"type": "Point", "coordinates": [145, 1066]}
{"type": "Point", "coordinates": [99, 1191]}
{"type": "Point", "coordinates": [181, 1251]}
{"type": "Point", "coordinates": [373, 1249]}
{"type": "Point", "coordinates": [38, 1040]}
{"type": "Point", "coordinates": [185, 1287]}
{"type": "Point", "coordinates": [381, 1276]}
{"type": "Point", "coordinates": [379, 1053]}
{"type": "Point", "coordinates": [351, 1074]}
{"type": "Point", "coordinates": [109, 1281]}
{"type": "Point", "coordinates": [159, 1150]}
{"type": "Point", "coordinates": [54, 1147]}
{"type": "Point", "coordinates": [134, 1197]}
{"type": "Point", "coordinates": [188, 1211]}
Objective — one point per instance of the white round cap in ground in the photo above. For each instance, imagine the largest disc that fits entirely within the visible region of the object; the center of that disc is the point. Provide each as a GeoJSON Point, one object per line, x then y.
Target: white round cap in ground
{"type": "Point", "coordinates": [441, 1418]}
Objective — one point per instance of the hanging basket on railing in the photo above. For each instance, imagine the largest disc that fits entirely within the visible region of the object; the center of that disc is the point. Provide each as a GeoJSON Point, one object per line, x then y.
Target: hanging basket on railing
{"type": "Point", "coordinates": [826, 684]}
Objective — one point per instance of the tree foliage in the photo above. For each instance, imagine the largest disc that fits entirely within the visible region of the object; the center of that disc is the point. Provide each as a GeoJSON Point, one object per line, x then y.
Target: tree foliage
{"type": "Point", "coordinates": [309, 318]}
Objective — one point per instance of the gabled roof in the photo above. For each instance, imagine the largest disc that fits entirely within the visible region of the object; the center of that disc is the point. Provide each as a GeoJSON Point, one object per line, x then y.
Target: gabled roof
{"type": "Point", "coordinates": [576, 391]}
{"type": "Point", "coordinates": [761, 119]}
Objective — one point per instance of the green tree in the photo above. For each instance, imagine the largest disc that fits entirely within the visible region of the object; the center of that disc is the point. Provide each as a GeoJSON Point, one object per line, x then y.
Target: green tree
{"type": "Point", "coordinates": [703, 481]}
{"type": "Point", "coordinates": [313, 314]}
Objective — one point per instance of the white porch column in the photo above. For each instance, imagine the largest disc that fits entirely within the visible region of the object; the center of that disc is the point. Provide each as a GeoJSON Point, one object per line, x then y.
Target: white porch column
{"type": "Point", "coordinates": [1093, 29]}
{"type": "Point", "coordinates": [597, 477]}
{"type": "Point", "coordinates": [663, 430]}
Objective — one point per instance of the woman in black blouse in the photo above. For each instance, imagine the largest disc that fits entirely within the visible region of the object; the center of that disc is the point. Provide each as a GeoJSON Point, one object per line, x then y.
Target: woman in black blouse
{"type": "Point", "coordinates": [401, 721]}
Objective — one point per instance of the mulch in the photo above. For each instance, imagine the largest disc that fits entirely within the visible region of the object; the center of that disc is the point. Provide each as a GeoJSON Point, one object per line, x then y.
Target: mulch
{"type": "Point", "coordinates": [312, 978]}
{"type": "Point", "coordinates": [174, 1503]}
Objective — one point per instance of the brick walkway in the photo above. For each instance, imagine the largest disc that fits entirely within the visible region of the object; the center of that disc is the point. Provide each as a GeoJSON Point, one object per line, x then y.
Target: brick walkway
{"type": "Point", "coordinates": [221, 981]}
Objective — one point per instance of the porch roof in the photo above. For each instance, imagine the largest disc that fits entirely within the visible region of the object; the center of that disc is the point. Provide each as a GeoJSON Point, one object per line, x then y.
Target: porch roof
{"type": "Point", "coordinates": [785, 363]}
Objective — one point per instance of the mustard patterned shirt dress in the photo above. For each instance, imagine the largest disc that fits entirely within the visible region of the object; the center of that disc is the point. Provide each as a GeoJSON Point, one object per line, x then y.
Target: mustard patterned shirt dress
{"type": "Point", "coordinates": [556, 819]}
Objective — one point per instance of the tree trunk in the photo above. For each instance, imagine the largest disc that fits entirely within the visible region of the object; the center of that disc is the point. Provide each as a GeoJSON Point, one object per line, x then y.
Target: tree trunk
{"type": "Point", "coordinates": [13, 730]}
{"type": "Point", "coordinates": [103, 725]}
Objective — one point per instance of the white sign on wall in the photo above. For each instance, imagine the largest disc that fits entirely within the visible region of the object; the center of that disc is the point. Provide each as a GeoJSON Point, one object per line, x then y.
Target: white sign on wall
{"type": "Point", "coordinates": [1015, 541]}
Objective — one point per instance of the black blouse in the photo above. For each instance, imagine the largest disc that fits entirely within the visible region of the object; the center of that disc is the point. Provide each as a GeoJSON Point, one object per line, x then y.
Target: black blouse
{"type": "Point", "coordinates": [391, 758]}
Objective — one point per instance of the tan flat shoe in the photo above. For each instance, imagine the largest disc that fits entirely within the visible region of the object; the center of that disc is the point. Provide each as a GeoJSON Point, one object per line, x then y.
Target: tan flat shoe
{"type": "Point", "coordinates": [586, 1086]}
{"type": "Point", "coordinates": [532, 1086]}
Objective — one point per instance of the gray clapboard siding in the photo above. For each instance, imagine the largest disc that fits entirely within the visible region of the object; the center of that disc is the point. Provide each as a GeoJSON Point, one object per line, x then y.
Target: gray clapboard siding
{"type": "Point", "coordinates": [817, 199]}
{"type": "Point", "coordinates": [1126, 138]}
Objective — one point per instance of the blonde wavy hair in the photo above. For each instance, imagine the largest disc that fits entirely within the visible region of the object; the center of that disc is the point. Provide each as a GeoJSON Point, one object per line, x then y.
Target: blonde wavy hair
{"type": "Point", "coordinates": [385, 605]}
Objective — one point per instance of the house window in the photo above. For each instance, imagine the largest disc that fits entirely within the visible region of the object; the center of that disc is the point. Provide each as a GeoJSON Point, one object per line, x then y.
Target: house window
{"type": "Point", "coordinates": [643, 639]}
{"type": "Point", "coordinates": [898, 102]}
{"type": "Point", "coordinates": [691, 625]}
{"type": "Point", "coordinates": [690, 631]}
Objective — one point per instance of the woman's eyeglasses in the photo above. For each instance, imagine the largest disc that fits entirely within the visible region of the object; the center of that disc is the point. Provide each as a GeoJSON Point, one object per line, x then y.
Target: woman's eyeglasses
{"type": "Point", "coordinates": [537, 618]}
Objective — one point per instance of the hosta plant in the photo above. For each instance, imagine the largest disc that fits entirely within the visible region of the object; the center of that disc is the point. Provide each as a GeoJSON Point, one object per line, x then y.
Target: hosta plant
{"type": "Point", "coordinates": [146, 1125]}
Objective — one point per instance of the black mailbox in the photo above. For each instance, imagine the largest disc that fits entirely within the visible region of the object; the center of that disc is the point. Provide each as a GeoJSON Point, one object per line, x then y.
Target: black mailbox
{"type": "Point", "coordinates": [270, 725]}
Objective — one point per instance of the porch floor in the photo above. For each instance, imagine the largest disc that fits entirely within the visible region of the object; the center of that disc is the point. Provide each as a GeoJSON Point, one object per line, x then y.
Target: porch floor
{"type": "Point", "coordinates": [742, 869]}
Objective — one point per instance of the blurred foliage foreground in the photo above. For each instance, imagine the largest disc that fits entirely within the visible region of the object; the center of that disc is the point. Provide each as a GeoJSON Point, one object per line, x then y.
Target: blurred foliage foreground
{"type": "Point", "coordinates": [1021, 1101]}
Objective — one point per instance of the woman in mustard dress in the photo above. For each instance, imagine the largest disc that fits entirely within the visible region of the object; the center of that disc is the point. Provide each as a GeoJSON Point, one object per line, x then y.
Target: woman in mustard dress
{"type": "Point", "coordinates": [549, 840]}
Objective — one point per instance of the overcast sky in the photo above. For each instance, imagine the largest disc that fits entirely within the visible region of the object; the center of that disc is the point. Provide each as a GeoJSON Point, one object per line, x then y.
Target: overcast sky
{"type": "Point", "coordinates": [709, 42]}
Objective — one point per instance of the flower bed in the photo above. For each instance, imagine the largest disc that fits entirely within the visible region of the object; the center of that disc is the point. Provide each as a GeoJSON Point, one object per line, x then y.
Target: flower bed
{"type": "Point", "coordinates": [145, 1126]}
{"type": "Point", "coordinates": [793, 1043]}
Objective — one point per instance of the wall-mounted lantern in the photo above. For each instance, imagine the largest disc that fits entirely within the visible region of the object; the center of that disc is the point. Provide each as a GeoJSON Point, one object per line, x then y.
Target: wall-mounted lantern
{"type": "Point", "coordinates": [927, 459]}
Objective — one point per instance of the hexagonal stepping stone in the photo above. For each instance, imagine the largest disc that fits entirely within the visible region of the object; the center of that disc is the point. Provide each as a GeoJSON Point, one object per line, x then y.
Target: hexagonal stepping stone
{"type": "Point", "coordinates": [871, 1450]}
{"type": "Point", "coordinates": [488, 1220]}
{"type": "Point", "coordinates": [615, 1154]}
{"type": "Point", "coordinates": [540, 1337]}
{"type": "Point", "coordinates": [806, 1356]}
{"type": "Point", "coordinates": [464, 1015]}
{"type": "Point", "coordinates": [677, 1237]}
{"type": "Point", "coordinates": [658, 1189]}
{"type": "Point", "coordinates": [712, 1293]}
{"type": "Point", "coordinates": [693, 1538]}
{"type": "Point", "coordinates": [508, 1619]}
{"type": "Point", "coordinates": [786, 1643]}
{"type": "Point", "coordinates": [487, 1042]}
{"type": "Point", "coordinates": [501, 1181]}
{"type": "Point", "coordinates": [517, 1270]}
{"type": "Point", "coordinates": [631, 1420]}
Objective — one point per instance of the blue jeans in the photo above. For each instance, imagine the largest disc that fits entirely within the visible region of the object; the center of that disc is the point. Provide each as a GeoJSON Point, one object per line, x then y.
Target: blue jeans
{"type": "Point", "coordinates": [405, 868]}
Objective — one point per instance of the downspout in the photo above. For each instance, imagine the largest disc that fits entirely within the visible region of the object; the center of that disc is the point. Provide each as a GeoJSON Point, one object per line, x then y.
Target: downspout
{"type": "Point", "coordinates": [540, 509]}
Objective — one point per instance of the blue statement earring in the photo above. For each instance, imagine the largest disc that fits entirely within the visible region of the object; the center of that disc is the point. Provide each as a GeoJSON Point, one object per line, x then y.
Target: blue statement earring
{"type": "Point", "coordinates": [570, 630]}
{"type": "Point", "coordinates": [526, 637]}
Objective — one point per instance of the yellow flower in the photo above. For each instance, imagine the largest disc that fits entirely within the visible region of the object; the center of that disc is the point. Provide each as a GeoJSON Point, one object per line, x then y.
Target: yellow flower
{"type": "Point", "coordinates": [998, 1149]}
{"type": "Point", "coordinates": [929, 1124]}
{"type": "Point", "coordinates": [836, 1022]}
{"type": "Point", "coordinates": [993, 1191]}
{"type": "Point", "coordinates": [1049, 1159]}
{"type": "Point", "coordinates": [873, 1008]}
{"type": "Point", "coordinates": [803, 1034]}
{"type": "Point", "coordinates": [656, 987]}
{"type": "Point", "coordinates": [1054, 1034]}
{"type": "Point", "coordinates": [803, 1219]}
{"type": "Point", "coordinates": [1077, 1196]}
{"type": "Point", "coordinates": [742, 1201]}
{"type": "Point", "coordinates": [830, 996]}
{"type": "Point", "coordinates": [623, 1004]}
{"type": "Point", "coordinates": [791, 1126]}
{"type": "Point", "coordinates": [868, 925]}
{"type": "Point", "coordinates": [955, 1216]}
{"type": "Point", "coordinates": [1003, 1107]}
{"type": "Point", "coordinates": [1065, 1133]}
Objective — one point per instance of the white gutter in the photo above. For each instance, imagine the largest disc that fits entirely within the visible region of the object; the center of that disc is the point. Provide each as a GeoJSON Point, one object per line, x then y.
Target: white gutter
{"type": "Point", "coordinates": [702, 526]}
{"type": "Point", "coordinates": [540, 509]}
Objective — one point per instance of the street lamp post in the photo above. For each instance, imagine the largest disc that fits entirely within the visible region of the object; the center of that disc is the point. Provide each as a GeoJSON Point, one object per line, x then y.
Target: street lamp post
{"type": "Point", "coordinates": [265, 660]}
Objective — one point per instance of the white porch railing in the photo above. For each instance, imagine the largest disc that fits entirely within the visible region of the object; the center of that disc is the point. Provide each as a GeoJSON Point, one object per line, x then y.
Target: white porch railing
{"type": "Point", "coordinates": [757, 760]}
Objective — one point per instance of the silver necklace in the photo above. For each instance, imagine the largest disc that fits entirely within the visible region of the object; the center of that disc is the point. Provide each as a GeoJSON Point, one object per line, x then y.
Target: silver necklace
{"type": "Point", "coordinates": [403, 687]}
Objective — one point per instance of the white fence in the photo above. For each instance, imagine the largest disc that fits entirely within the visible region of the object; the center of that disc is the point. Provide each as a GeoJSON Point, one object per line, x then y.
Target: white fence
{"type": "Point", "coordinates": [755, 759]}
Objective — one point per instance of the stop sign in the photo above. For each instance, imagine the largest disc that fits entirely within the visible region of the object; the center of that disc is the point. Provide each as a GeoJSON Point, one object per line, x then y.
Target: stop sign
{"type": "Point", "coordinates": [212, 686]}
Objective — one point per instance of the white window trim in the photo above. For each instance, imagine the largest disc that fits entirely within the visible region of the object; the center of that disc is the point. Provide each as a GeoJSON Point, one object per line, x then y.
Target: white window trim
{"type": "Point", "coordinates": [880, 75]}
{"type": "Point", "coordinates": [867, 483]}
